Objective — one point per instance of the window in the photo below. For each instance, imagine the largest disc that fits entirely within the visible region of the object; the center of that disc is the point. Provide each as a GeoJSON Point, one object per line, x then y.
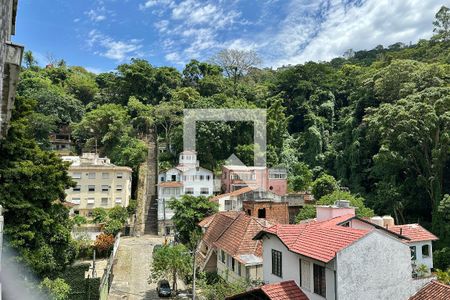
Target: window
{"type": "Point", "coordinates": [189, 191]}
{"type": "Point", "coordinates": [305, 274]}
{"type": "Point", "coordinates": [425, 250]}
{"type": "Point", "coordinates": [228, 204]}
{"type": "Point", "coordinates": [174, 177]}
{"type": "Point", "coordinates": [276, 263]}
{"type": "Point", "coordinates": [204, 191]}
{"type": "Point", "coordinates": [162, 178]}
{"type": "Point", "coordinates": [319, 280]}
{"type": "Point", "coordinates": [222, 256]}
{"type": "Point", "coordinates": [202, 177]}
{"type": "Point", "coordinates": [76, 201]}
{"type": "Point", "coordinates": [119, 187]}
{"type": "Point", "coordinates": [413, 252]}
{"type": "Point", "coordinates": [118, 200]}
{"type": "Point", "coordinates": [262, 213]}
{"type": "Point", "coordinates": [77, 188]}
{"type": "Point", "coordinates": [300, 271]}
{"type": "Point", "coordinates": [76, 175]}
{"type": "Point", "coordinates": [105, 188]}
{"type": "Point", "coordinates": [233, 262]}
{"type": "Point", "coordinates": [105, 175]}
{"type": "Point", "coordinates": [104, 202]}
{"type": "Point", "coordinates": [239, 269]}
{"type": "Point", "coordinates": [119, 175]}
{"type": "Point", "coordinates": [91, 188]}
{"type": "Point", "coordinates": [91, 175]}
{"type": "Point", "coordinates": [208, 177]}
{"type": "Point", "coordinates": [90, 201]}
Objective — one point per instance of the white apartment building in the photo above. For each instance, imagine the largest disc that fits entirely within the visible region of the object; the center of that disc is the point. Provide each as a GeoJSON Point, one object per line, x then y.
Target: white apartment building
{"type": "Point", "coordinates": [187, 178]}
{"type": "Point", "coordinates": [99, 183]}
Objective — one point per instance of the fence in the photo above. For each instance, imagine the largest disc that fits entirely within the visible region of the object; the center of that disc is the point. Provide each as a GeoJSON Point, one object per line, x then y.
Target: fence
{"type": "Point", "coordinates": [105, 282]}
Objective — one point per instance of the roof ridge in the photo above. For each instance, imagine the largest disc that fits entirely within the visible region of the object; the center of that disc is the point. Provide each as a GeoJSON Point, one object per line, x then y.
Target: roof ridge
{"type": "Point", "coordinates": [245, 232]}
{"type": "Point", "coordinates": [226, 228]}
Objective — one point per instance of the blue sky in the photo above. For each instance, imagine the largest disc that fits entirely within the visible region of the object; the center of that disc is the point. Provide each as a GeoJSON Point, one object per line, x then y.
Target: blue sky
{"type": "Point", "coordinates": [100, 34]}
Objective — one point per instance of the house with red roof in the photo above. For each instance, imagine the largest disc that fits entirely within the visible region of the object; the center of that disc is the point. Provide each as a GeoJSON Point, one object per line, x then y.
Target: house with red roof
{"type": "Point", "coordinates": [340, 257]}
{"type": "Point", "coordinates": [228, 247]}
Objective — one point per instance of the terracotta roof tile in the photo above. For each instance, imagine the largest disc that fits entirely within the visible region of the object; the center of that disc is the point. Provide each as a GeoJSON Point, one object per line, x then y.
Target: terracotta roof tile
{"type": "Point", "coordinates": [414, 232]}
{"type": "Point", "coordinates": [171, 184]}
{"type": "Point", "coordinates": [318, 240]}
{"type": "Point", "coordinates": [238, 238]}
{"type": "Point", "coordinates": [218, 225]}
{"type": "Point", "coordinates": [433, 291]}
{"type": "Point", "coordinates": [285, 290]}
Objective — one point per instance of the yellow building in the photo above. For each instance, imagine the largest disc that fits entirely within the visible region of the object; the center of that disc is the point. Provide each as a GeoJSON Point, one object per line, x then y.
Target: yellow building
{"type": "Point", "coordinates": [99, 183]}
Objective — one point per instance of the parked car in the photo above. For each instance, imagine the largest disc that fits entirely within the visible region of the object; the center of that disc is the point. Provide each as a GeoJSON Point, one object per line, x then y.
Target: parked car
{"type": "Point", "coordinates": [163, 288]}
{"type": "Point", "coordinates": [156, 248]}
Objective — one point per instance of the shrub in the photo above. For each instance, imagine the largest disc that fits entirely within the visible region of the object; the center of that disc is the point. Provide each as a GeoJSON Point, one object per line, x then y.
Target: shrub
{"type": "Point", "coordinates": [56, 289]}
{"type": "Point", "coordinates": [104, 244]}
{"type": "Point", "coordinates": [441, 258]}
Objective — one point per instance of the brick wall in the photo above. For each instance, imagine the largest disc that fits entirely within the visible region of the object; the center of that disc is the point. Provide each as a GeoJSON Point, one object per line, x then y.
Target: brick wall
{"type": "Point", "coordinates": [276, 212]}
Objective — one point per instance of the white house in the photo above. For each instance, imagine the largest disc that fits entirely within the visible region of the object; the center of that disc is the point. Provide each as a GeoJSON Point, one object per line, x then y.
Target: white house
{"type": "Point", "coordinates": [187, 178]}
{"type": "Point", "coordinates": [329, 259]}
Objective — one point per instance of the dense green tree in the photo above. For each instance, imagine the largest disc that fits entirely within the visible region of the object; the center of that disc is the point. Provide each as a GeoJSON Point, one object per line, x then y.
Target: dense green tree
{"type": "Point", "coordinates": [300, 178]}
{"type": "Point", "coordinates": [414, 136]}
{"type": "Point", "coordinates": [188, 211]}
{"type": "Point", "coordinates": [56, 289]}
{"type": "Point", "coordinates": [442, 25]}
{"type": "Point", "coordinates": [171, 262]}
{"type": "Point", "coordinates": [324, 185]}
{"type": "Point", "coordinates": [37, 225]}
{"type": "Point", "coordinates": [99, 215]}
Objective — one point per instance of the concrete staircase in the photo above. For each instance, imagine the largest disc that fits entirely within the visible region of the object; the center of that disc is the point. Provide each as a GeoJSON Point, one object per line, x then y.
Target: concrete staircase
{"type": "Point", "coordinates": [147, 211]}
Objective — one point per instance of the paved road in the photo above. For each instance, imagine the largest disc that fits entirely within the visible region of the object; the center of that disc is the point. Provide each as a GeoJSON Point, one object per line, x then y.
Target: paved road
{"type": "Point", "coordinates": [132, 269]}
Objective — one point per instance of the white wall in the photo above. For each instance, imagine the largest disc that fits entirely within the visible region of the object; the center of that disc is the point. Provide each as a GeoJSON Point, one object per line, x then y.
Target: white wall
{"type": "Point", "coordinates": [291, 269]}
{"type": "Point", "coordinates": [377, 266]}
{"type": "Point", "coordinates": [420, 259]}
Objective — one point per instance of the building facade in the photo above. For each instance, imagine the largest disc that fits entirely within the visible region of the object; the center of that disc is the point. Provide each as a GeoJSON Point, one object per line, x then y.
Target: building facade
{"type": "Point", "coordinates": [10, 62]}
{"type": "Point", "coordinates": [235, 177]}
{"type": "Point", "coordinates": [187, 178]}
{"type": "Point", "coordinates": [99, 183]}
{"type": "Point", "coordinates": [228, 248]}
{"type": "Point", "coordinates": [336, 258]}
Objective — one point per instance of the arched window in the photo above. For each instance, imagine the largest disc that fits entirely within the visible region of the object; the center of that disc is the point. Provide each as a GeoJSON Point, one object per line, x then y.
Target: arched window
{"type": "Point", "coordinates": [425, 250]}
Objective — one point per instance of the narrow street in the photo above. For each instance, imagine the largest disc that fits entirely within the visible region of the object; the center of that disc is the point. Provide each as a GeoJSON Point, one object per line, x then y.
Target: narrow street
{"type": "Point", "coordinates": [132, 269]}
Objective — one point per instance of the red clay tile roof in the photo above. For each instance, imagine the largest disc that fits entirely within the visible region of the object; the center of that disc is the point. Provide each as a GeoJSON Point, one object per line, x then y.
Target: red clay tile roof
{"type": "Point", "coordinates": [285, 290]}
{"type": "Point", "coordinates": [171, 184]}
{"type": "Point", "coordinates": [221, 221]}
{"type": "Point", "coordinates": [414, 232]}
{"type": "Point", "coordinates": [433, 291]}
{"type": "Point", "coordinates": [206, 221]}
{"type": "Point", "coordinates": [318, 240]}
{"type": "Point", "coordinates": [238, 240]}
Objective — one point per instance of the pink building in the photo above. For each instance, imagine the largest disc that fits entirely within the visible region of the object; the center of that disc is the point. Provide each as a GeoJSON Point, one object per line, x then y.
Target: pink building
{"type": "Point", "coordinates": [237, 177]}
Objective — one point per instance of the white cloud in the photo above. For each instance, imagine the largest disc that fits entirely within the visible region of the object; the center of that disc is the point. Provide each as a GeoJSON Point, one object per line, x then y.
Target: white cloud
{"type": "Point", "coordinates": [152, 3]}
{"type": "Point", "coordinates": [175, 58]}
{"type": "Point", "coordinates": [358, 27]}
{"type": "Point", "coordinates": [114, 49]}
{"type": "Point", "coordinates": [95, 15]}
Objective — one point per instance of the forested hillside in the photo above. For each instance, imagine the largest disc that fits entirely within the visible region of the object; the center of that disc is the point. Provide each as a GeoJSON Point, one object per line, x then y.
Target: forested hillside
{"type": "Point", "coordinates": [378, 121]}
